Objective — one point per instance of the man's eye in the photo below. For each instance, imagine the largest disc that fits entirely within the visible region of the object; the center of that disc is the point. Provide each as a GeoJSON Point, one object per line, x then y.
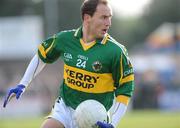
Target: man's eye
{"type": "Point", "coordinates": [104, 17]}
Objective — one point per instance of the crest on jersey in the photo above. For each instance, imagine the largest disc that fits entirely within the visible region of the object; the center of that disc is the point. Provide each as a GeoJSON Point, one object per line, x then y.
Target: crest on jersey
{"type": "Point", "coordinates": [97, 66]}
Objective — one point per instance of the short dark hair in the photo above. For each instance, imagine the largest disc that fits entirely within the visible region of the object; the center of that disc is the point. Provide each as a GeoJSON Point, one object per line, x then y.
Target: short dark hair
{"type": "Point", "coordinates": [89, 6]}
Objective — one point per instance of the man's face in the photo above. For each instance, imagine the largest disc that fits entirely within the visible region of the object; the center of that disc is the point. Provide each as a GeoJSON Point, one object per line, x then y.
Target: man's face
{"type": "Point", "coordinates": [100, 22]}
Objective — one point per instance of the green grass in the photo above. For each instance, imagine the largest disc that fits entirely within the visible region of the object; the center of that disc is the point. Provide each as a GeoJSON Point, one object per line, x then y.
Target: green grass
{"type": "Point", "coordinates": [151, 119]}
{"type": "Point", "coordinates": [135, 119]}
{"type": "Point", "coordinates": [21, 123]}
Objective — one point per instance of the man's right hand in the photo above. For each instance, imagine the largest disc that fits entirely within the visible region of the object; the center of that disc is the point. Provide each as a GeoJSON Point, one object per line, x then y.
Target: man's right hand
{"type": "Point", "coordinates": [17, 91]}
{"type": "Point", "coordinates": [100, 124]}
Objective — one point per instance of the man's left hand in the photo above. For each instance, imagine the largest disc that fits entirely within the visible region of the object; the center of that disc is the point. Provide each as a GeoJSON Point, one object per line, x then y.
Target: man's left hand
{"type": "Point", "coordinates": [104, 125]}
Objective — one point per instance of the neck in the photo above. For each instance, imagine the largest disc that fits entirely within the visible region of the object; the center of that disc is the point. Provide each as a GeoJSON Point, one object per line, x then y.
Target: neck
{"type": "Point", "coordinates": [87, 36]}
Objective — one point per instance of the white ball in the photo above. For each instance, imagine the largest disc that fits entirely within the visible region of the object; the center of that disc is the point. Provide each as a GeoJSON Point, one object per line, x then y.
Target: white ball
{"type": "Point", "coordinates": [89, 112]}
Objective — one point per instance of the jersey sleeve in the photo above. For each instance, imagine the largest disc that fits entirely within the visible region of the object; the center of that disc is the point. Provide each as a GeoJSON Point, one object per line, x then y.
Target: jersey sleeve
{"type": "Point", "coordinates": [123, 75]}
{"type": "Point", "coordinates": [48, 50]}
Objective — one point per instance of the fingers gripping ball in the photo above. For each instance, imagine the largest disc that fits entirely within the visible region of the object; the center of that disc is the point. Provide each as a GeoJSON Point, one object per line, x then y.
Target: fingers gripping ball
{"type": "Point", "coordinates": [88, 113]}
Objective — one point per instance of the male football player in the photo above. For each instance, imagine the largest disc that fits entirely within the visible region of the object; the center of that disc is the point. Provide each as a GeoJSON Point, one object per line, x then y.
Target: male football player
{"type": "Point", "coordinates": [96, 66]}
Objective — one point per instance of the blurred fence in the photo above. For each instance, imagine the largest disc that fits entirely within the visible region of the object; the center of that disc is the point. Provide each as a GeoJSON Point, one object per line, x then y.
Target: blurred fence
{"type": "Point", "coordinates": [157, 81]}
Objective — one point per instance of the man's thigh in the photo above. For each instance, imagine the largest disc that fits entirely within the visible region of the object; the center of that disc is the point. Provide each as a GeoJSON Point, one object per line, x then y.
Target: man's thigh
{"type": "Point", "coordinates": [51, 123]}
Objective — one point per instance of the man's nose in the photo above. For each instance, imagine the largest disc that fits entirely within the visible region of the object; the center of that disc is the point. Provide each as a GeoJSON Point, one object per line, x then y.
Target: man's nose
{"type": "Point", "coordinates": [108, 22]}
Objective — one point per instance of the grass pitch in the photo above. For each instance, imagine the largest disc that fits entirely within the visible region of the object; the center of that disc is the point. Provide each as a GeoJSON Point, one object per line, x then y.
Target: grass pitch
{"type": "Point", "coordinates": [151, 119]}
{"type": "Point", "coordinates": [135, 119]}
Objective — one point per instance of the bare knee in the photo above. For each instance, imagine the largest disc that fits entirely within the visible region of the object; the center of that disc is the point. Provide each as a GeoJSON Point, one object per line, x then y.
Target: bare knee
{"type": "Point", "coordinates": [52, 123]}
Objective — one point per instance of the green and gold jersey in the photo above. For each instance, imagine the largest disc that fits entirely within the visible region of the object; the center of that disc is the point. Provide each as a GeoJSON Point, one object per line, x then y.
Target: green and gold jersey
{"type": "Point", "coordinates": [97, 71]}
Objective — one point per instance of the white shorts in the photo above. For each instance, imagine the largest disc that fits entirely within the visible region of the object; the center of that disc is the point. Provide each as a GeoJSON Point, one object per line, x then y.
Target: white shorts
{"type": "Point", "coordinates": [63, 114]}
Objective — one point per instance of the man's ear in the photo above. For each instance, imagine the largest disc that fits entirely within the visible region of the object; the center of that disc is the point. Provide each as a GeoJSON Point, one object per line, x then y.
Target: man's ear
{"type": "Point", "coordinates": [87, 17]}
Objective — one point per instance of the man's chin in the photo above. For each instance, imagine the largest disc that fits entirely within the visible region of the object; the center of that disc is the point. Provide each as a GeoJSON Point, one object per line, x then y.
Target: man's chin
{"type": "Point", "coordinates": [101, 36]}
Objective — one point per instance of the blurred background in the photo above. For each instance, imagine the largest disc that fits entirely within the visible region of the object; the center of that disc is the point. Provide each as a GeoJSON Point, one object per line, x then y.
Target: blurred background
{"type": "Point", "coordinates": [150, 30]}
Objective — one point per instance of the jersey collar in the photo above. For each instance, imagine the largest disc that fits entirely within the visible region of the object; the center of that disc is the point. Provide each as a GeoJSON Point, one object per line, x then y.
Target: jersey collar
{"type": "Point", "coordinates": [78, 34]}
